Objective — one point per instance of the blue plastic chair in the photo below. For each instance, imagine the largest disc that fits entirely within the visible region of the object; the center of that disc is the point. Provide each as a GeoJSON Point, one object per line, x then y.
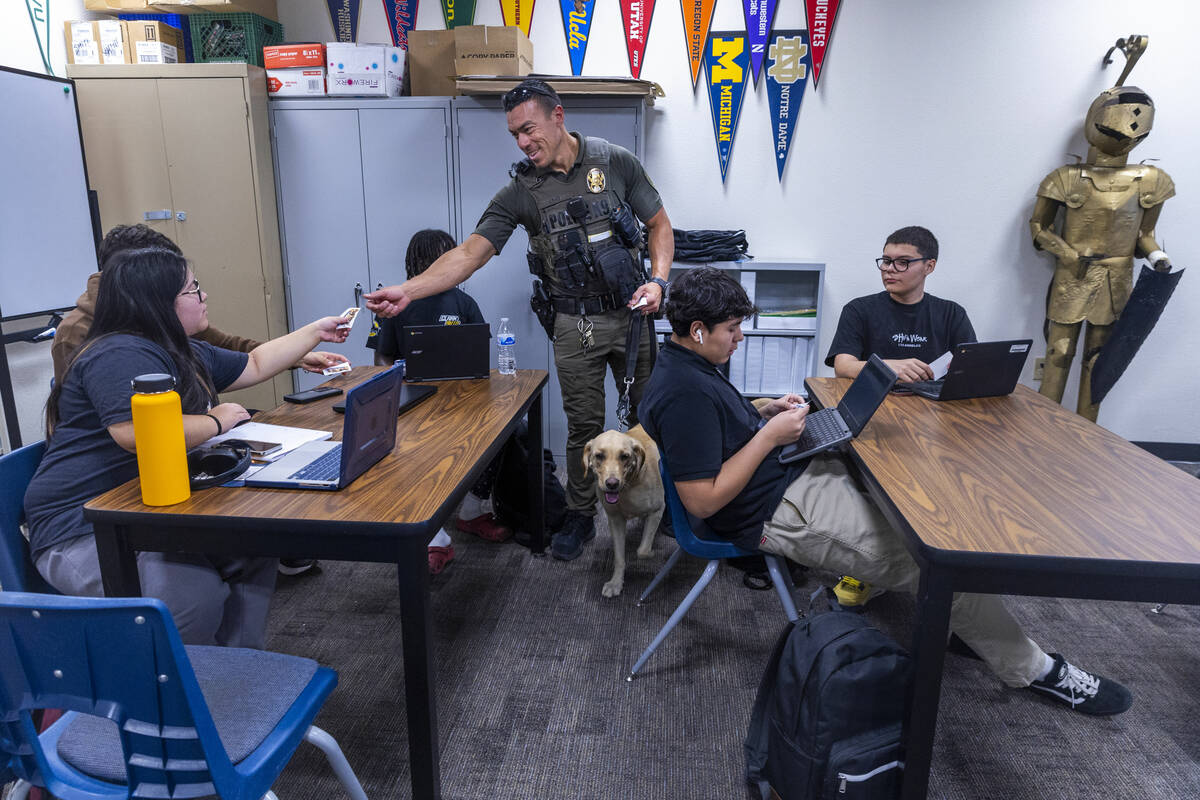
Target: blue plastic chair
{"type": "Point", "coordinates": [148, 717]}
{"type": "Point", "coordinates": [17, 573]}
{"type": "Point", "coordinates": [686, 529]}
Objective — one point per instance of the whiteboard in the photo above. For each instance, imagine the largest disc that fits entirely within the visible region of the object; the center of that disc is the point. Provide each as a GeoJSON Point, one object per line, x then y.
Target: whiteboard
{"type": "Point", "coordinates": [47, 248]}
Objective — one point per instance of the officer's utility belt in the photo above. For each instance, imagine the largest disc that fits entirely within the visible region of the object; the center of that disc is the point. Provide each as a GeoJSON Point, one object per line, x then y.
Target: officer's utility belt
{"type": "Point", "coordinates": [595, 304]}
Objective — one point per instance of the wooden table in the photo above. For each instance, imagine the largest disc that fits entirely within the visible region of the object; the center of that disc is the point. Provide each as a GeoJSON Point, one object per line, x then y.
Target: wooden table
{"type": "Point", "coordinates": [1017, 495]}
{"type": "Point", "coordinates": [388, 515]}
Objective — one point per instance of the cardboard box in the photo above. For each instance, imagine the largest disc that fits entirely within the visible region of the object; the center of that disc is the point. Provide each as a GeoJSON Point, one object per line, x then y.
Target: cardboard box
{"type": "Point", "coordinates": [394, 59]}
{"type": "Point", "coordinates": [358, 70]}
{"type": "Point", "coordinates": [118, 6]}
{"type": "Point", "coordinates": [294, 56]}
{"type": "Point", "coordinates": [431, 63]}
{"type": "Point", "coordinates": [264, 8]}
{"type": "Point", "coordinates": [299, 82]}
{"type": "Point", "coordinates": [99, 42]}
{"type": "Point", "coordinates": [492, 50]}
{"type": "Point", "coordinates": [153, 42]}
{"type": "Point", "coordinates": [157, 53]}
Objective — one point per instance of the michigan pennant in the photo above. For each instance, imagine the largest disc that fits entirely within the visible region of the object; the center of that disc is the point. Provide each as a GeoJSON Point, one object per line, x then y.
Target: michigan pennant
{"type": "Point", "coordinates": [344, 16]}
{"type": "Point", "coordinates": [697, 16]}
{"type": "Point", "coordinates": [726, 61]}
{"type": "Point", "coordinates": [787, 72]}
{"type": "Point", "coordinates": [401, 15]}
{"type": "Point", "coordinates": [577, 22]}
{"type": "Point", "coordinates": [821, 14]}
{"type": "Point", "coordinates": [458, 12]}
{"type": "Point", "coordinates": [637, 14]}
{"type": "Point", "coordinates": [759, 15]}
{"type": "Point", "coordinates": [519, 13]}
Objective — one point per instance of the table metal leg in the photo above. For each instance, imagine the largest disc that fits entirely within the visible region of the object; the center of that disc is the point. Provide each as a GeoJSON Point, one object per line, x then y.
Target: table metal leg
{"type": "Point", "coordinates": [929, 652]}
{"type": "Point", "coordinates": [536, 474]}
{"type": "Point", "coordinates": [416, 629]}
{"type": "Point", "coordinates": [118, 561]}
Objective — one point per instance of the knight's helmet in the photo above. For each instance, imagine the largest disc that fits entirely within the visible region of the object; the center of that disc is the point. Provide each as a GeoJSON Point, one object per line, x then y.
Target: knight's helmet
{"type": "Point", "coordinates": [1118, 120]}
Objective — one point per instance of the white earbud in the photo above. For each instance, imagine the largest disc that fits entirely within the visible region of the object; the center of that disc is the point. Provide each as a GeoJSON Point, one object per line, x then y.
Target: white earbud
{"type": "Point", "coordinates": [700, 336]}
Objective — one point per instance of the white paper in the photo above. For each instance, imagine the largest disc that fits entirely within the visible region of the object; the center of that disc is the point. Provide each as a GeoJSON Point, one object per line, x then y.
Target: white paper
{"type": "Point", "coordinates": [290, 438]}
{"type": "Point", "coordinates": [941, 365]}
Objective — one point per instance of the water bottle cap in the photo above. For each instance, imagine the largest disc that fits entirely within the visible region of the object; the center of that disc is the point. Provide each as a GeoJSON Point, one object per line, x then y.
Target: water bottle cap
{"type": "Point", "coordinates": [153, 383]}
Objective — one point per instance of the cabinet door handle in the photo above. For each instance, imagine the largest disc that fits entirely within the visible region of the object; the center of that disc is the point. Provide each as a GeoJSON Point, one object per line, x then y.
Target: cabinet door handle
{"type": "Point", "coordinates": [153, 215]}
{"type": "Point", "coordinates": [358, 292]}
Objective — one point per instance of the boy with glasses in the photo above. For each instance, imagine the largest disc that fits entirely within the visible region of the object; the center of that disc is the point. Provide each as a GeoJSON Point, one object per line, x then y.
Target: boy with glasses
{"type": "Point", "coordinates": [903, 325]}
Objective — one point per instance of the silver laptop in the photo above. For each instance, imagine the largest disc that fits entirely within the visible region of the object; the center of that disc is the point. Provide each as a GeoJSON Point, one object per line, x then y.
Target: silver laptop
{"type": "Point", "coordinates": [368, 434]}
{"type": "Point", "coordinates": [829, 427]}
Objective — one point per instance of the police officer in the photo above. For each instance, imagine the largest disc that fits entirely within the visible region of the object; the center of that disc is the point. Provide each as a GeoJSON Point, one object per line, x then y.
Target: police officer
{"type": "Point", "coordinates": [576, 196]}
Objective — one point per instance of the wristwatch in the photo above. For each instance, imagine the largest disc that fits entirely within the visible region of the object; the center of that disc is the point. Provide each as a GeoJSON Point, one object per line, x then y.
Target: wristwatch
{"type": "Point", "coordinates": [662, 285]}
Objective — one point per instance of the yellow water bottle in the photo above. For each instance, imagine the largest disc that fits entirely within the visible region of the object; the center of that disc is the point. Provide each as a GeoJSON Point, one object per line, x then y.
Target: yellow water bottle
{"type": "Point", "coordinates": [158, 438]}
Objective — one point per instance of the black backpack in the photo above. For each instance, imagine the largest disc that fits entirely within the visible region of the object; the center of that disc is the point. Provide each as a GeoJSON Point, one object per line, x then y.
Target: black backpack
{"type": "Point", "coordinates": [827, 720]}
{"type": "Point", "coordinates": [510, 497]}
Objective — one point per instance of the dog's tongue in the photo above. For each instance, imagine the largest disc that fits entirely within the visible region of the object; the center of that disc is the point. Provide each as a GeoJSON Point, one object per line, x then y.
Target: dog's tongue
{"type": "Point", "coordinates": [611, 497]}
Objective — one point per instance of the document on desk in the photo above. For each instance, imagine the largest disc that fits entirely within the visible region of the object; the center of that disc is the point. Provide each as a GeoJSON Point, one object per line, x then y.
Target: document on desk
{"type": "Point", "coordinates": [288, 437]}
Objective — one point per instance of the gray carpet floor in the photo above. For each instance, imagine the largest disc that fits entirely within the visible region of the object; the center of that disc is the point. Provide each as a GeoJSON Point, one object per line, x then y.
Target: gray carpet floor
{"type": "Point", "coordinates": [532, 701]}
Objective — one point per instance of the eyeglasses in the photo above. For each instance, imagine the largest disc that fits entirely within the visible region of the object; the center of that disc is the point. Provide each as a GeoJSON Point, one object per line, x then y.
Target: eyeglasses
{"type": "Point", "coordinates": [194, 290]}
{"type": "Point", "coordinates": [898, 264]}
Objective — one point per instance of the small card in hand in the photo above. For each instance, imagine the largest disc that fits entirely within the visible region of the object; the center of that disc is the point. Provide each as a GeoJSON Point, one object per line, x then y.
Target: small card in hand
{"type": "Point", "coordinates": [350, 314]}
{"type": "Point", "coordinates": [337, 369]}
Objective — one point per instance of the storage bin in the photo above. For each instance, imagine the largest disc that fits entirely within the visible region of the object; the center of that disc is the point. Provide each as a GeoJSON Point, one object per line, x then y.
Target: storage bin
{"type": "Point", "coordinates": [232, 37]}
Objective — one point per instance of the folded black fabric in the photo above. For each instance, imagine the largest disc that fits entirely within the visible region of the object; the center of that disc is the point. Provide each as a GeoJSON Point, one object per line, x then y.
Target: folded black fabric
{"type": "Point", "coordinates": [705, 246]}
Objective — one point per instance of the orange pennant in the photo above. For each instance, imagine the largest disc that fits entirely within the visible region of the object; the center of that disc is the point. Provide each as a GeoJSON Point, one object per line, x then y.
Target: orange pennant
{"type": "Point", "coordinates": [518, 12]}
{"type": "Point", "coordinates": [697, 17]}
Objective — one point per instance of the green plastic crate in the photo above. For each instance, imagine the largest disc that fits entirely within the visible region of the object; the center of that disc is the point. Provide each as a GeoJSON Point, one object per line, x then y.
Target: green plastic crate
{"type": "Point", "coordinates": [232, 37]}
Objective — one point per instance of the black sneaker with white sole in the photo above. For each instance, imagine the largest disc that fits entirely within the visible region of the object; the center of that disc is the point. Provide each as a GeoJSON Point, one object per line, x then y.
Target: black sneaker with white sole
{"type": "Point", "coordinates": [1082, 691]}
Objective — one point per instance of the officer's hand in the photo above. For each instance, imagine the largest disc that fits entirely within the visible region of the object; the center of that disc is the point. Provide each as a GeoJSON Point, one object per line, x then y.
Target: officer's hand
{"type": "Point", "coordinates": [388, 301]}
{"type": "Point", "coordinates": [653, 294]}
{"type": "Point", "coordinates": [910, 369]}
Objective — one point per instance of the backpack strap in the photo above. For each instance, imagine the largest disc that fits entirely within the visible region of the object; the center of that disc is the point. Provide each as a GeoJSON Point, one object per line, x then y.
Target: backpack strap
{"type": "Point", "coordinates": [756, 739]}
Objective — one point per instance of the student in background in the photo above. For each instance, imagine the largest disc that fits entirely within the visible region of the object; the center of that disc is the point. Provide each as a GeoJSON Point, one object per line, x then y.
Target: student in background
{"type": "Point", "coordinates": [451, 307]}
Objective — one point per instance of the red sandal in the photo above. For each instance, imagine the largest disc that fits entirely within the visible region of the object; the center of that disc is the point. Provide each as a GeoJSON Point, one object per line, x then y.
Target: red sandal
{"type": "Point", "coordinates": [439, 557]}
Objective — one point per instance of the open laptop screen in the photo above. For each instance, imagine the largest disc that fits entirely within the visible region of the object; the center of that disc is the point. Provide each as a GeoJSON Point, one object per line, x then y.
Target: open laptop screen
{"type": "Point", "coordinates": [866, 393]}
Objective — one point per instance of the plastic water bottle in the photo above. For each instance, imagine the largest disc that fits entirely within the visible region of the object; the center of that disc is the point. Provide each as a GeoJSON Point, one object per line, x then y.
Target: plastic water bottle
{"type": "Point", "coordinates": [506, 344]}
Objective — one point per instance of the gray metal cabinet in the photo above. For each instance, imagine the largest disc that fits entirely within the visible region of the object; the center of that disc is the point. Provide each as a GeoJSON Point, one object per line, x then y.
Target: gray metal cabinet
{"type": "Point", "coordinates": [356, 179]}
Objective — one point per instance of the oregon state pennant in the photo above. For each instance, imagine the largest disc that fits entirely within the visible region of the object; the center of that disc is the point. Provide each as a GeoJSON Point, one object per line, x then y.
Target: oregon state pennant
{"type": "Point", "coordinates": [344, 16]}
{"type": "Point", "coordinates": [401, 16]}
{"type": "Point", "coordinates": [637, 14]}
{"type": "Point", "coordinates": [821, 14]}
{"type": "Point", "coordinates": [726, 60]}
{"type": "Point", "coordinates": [458, 12]}
{"type": "Point", "coordinates": [697, 16]}
{"type": "Point", "coordinates": [517, 12]}
{"type": "Point", "coordinates": [759, 15]}
{"type": "Point", "coordinates": [787, 72]}
{"type": "Point", "coordinates": [577, 22]}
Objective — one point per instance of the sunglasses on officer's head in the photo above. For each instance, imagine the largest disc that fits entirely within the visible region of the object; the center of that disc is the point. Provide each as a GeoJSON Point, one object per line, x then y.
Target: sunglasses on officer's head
{"type": "Point", "coordinates": [514, 97]}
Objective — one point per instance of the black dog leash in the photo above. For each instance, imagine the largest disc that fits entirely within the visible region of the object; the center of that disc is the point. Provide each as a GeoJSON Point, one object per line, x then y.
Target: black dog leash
{"type": "Point", "coordinates": [633, 339]}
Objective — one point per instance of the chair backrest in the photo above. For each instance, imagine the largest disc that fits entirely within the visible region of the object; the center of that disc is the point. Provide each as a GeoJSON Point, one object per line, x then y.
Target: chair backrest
{"type": "Point", "coordinates": [687, 527]}
{"type": "Point", "coordinates": [119, 658]}
{"type": "Point", "coordinates": [17, 573]}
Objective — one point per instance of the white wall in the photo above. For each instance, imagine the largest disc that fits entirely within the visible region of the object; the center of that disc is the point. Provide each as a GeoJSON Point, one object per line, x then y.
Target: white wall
{"type": "Point", "coordinates": [18, 47]}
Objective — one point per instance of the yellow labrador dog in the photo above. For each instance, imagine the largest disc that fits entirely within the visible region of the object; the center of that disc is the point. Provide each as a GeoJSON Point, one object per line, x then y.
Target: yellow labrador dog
{"type": "Point", "coordinates": [628, 485]}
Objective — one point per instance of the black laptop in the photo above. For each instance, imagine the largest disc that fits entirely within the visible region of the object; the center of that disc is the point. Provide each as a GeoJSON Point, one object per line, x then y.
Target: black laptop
{"type": "Point", "coordinates": [410, 397]}
{"type": "Point", "coordinates": [978, 369]}
{"type": "Point", "coordinates": [368, 434]}
{"type": "Point", "coordinates": [446, 352]}
{"type": "Point", "coordinates": [830, 427]}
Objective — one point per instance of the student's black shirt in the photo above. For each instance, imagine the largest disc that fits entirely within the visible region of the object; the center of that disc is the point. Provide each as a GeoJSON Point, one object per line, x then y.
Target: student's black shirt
{"type": "Point", "coordinates": [699, 420]}
{"type": "Point", "coordinates": [452, 307]}
{"type": "Point", "coordinates": [878, 324]}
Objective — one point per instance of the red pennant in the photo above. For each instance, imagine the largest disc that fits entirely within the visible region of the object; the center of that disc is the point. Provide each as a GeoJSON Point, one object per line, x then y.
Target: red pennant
{"type": "Point", "coordinates": [821, 15]}
{"type": "Point", "coordinates": [637, 15]}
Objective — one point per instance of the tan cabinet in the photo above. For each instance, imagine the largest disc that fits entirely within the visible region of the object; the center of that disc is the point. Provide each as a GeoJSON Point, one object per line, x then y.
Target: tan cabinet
{"type": "Point", "coordinates": [185, 149]}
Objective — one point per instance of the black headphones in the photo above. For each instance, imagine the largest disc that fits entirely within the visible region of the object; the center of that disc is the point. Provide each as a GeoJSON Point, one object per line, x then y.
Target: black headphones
{"type": "Point", "coordinates": [218, 464]}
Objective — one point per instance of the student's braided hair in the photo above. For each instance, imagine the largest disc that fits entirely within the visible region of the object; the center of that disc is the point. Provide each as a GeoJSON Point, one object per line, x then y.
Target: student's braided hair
{"type": "Point", "coordinates": [424, 248]}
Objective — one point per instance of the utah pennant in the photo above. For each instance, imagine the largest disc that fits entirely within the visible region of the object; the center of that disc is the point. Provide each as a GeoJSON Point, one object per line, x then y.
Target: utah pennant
{"type": "Point", "coordinates": [458, 12]}
{"type": "Point", "coordinates": [344, 16]}
{"type": "Point", "coordinates": [401, 15]}
{"type": "Point", "coordinates": [637, 15]}
{"type": "Point", "coordinates": [577, 22]}
{"type": "Point", "coordinates": [697, 17]}
{"type": "Point", "coordinates": [787, 72]}
{"type": "Point", "coordinates": [759, 15]}
{"type": "Point", "coordinates": [821, 14]}
{"type": "Point", "coordinates": [726, 61]}
{"type": "Point", "coordinates": [517, 12]}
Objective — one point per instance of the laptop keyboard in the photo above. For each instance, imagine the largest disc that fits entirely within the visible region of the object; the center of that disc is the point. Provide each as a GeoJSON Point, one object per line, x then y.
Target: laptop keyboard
{"type": "Point", "coordinates": [326, 468]}
{"type": "Point", "coordinates": [818, 429]}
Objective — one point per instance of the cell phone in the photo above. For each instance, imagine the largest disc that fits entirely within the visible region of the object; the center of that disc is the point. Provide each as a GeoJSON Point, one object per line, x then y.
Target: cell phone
{"type": "Point", "coordinates": [258, 448]}
{"type": "Point", "coordinates": [312, 394]}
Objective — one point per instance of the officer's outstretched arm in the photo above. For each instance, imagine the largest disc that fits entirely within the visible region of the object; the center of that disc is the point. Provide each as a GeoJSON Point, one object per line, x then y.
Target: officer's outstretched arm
{"type": "Point", "coordinates": [452, 268]}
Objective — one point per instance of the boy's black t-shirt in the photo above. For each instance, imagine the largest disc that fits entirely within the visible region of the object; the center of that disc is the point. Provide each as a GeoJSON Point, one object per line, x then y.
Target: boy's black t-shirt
{"type": "Point", "coordinates": [878, 324]}
{"type": "Point", "coordinates": [451, 307]}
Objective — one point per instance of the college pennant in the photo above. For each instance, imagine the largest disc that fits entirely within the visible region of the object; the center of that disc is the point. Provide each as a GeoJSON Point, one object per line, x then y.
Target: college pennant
{"type": "Point", "coordinates": [821, 14]}
{"type": "Point", "coordinates": [697, 17]}
{"type": "Point", "coordinates": [344, 16]}
{"type": "Point", "coordinates": [401, 15]}
{"type": "Point", "coordinates": [726, 61]}
{"type": "Point", "coordinates": [637, 15]}
{"type": "Point", "coordinates": [458, 12]}
{"type": "Point", "coordinates": [518, 12]}
{"type": "Point", "coordinates": [759, 15]}
{"type": "Point", "coordinates": [39, 12]}
{"type": "Point", "coordinates": [787, 72]}
{"type": "Point", "coordinates": [577, 22]}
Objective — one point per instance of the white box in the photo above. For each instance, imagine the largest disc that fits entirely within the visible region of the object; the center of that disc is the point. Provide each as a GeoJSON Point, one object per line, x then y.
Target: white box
{"type": "Point", "coordinates": [99, 42]}
{"type": "Point", "coordinates": [356, 69]}
{"type": "Point", "coordinates": [296, 82]}
{"type": "Point", "coordinates": [393, 69]}
{"type": "Point", "coordinates": [155, 53]}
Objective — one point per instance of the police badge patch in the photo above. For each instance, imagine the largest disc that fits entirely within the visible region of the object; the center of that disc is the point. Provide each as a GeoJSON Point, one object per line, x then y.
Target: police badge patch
{"type": "Point", "coordinates": [595, 180]}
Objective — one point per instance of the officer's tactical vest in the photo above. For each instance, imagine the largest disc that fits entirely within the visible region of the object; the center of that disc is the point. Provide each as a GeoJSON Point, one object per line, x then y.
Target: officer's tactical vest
{"type": "Point", "coordinates": [576, 233]}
